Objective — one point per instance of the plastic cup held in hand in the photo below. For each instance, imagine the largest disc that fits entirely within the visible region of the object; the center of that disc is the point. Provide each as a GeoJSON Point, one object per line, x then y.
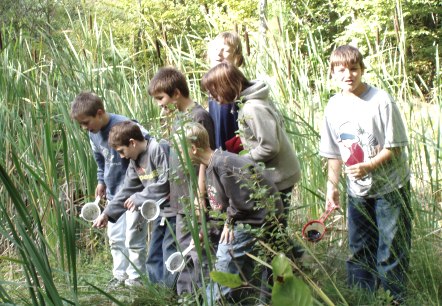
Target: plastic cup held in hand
{"type": "Point", "coordinates": [314, 230]}
{"type": "Point", "coordinates": [90, 211]}
{"type": "Point", "coordinates": [176, 261]}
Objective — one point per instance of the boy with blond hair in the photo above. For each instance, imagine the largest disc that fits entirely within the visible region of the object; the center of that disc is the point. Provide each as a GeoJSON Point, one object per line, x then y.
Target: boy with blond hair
{"type": "Point", "coordinates": [235, 186]}
{"type": "Point", "coordinates": [146, 179]}
{"type": "Point", "coordinates": [363, 132]}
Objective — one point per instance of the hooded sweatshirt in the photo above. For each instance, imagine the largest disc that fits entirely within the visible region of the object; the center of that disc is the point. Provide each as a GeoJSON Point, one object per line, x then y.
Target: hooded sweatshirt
{"type": "Point", "coordinates": [262, 132]}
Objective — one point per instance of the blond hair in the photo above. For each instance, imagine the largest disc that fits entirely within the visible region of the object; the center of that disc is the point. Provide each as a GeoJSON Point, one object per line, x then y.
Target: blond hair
{"type": "Point", "coordinates": [232, 40]}
{"type": "Point", "coordinates": [197, 135]}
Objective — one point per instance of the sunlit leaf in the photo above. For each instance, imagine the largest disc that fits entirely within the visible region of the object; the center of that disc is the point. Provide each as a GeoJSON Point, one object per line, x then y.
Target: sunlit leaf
{"type": "Point", "coordinates": [226, 279]}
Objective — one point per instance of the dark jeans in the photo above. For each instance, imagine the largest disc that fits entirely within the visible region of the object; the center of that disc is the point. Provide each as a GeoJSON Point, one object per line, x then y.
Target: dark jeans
{"type": "Point", "coordinates": [379, 231]}
{"type": "Point", "coordinates": [232, 258]}
{"type": "Point", "coordinates": [162, 245]}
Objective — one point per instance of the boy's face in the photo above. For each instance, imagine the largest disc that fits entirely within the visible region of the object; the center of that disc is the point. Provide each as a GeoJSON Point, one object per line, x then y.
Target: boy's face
{"type": "Point", "coordinates": [165, 102]}
{"type": "Point", "coordinates": [91, 123]}
{"type": "Point", "coordinates": [219, 51]}
{"type": "Point", "coordinates": [349, 78]}
{"type": "Point", "coordinates": [128, 152]}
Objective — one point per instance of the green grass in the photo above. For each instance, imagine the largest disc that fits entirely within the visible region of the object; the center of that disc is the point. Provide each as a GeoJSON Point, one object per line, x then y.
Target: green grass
{"type": "Point", "coordinates": [49, 256]}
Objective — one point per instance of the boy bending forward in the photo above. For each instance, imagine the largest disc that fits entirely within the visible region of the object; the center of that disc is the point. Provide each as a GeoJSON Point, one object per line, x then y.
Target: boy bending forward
{"type": "Point", "coordinates": [146, 179]}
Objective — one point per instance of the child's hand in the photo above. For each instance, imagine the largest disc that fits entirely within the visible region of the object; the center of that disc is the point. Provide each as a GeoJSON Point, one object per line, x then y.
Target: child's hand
{"type": "Point", "coordinates": [357, 171]}
{"type": "Point", "coordinates": [227, 234]}
{"type": "Point", "coordinates": [101, 221]}
{"type": "Point", "coordinates": [129, 205]}
{"type": "Point", "coordinates": [332, 196]}
{"type": "Point", "coordinates": [100, 190]}
{"type": "Point", "coordinates": [200, 237]}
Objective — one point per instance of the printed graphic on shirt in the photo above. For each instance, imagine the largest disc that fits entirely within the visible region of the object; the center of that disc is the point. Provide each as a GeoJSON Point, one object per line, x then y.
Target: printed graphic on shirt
{"type": "Point", "coordinates": [108, 156]}
{"type": "Point", "coordinates": [144, 176]}
{"type": "Point", "coordinates": [356, 146]}
{"type": "Point", "coordinates": [211, 193]}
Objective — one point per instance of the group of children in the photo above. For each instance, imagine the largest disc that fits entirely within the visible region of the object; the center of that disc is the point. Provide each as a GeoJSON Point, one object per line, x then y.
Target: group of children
{"type": "Point", "coordinates": [363, 131]}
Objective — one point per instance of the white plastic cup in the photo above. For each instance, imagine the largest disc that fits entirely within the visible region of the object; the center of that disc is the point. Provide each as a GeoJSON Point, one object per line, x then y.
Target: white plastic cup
{"type": "Point", "coordinates": [90, 211]}
{"type": "Point", "coordinates": [176, 261]}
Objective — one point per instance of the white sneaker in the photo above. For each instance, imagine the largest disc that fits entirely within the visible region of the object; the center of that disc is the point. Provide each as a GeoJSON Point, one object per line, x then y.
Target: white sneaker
{"type": "Point", "coordinates": [136, 282]}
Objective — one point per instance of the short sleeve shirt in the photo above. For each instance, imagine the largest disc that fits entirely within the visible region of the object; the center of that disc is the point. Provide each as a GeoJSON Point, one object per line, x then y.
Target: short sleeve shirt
{"type": "Point", "coordinates": [356, 129]}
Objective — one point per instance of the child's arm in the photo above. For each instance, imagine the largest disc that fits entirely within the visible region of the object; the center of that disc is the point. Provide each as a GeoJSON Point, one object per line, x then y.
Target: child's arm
{"type": "Point", "coordinates": [359, 170]}
{"type": "Point", "coordinates": [333, 175]}
{"type": "Point", "coordinates": [156, 183]}
{"type": "Point", "coordinates": [201, 198]}
{"type": "Point", "coordinates": [131, 185]}
{"type": "Point", "coordinates": [100, 190]}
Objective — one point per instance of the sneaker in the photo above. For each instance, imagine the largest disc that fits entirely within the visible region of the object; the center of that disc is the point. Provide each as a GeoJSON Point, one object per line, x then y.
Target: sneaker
{"type": "Point", "coordinates": [135, 282]}
{"type": "Point", "coordinates": [115, 283]}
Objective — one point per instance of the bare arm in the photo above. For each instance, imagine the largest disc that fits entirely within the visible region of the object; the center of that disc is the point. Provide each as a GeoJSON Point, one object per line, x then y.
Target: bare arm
{"type": "Point", "coordinates": [334, 173]}
{"type": "Point", "coordinates": [201, 198]}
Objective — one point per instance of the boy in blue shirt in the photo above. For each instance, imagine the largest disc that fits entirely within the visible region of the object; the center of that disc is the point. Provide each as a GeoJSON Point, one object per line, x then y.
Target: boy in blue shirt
{"type": "Point", "coordinates": [88, 110]}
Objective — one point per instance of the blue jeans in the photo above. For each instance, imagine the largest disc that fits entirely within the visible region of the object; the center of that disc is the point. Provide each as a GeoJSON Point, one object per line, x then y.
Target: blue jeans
{"type": "Point", "coordinates": [161, 246]}
{"type": "Point", "coordinates": [380, 240]}
{"type": "Point", "coordinates": [232, 258]}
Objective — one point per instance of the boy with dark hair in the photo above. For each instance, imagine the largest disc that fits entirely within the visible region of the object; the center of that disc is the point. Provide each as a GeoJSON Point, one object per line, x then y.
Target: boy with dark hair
{"type": "Point", "coordinates": [236, 186]}
{"type": "Point", "coordinates": [88, 110]}
{"type": "Point", "coordinates": [146, 179]}
{"type": "Point", "coordinates": [363, 130]}
{"type": "Point", "coordinates": [169, 88]}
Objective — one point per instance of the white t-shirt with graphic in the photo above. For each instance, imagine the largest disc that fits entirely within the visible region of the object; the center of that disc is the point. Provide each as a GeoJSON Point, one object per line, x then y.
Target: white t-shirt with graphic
{"type": "Point", "coordinates": [356, 129]}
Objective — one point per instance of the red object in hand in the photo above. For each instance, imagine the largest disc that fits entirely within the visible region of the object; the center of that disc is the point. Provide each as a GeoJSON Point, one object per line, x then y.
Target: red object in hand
{"type": "Point", "coordinates": [234, 145]}
{"type": "Point", "coordinates": [356, 155]}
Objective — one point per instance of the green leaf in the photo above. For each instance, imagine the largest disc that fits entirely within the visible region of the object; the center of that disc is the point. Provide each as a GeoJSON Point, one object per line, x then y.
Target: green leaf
{"type": "Point", "coordinates": [226, 279]}
{"type": "Point", "coordinates": [291, 292]}
{"type": "Point", "coordinates": [281, 268]}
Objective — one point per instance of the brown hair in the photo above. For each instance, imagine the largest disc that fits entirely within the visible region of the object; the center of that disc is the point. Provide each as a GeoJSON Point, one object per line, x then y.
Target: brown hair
{"type": "Point", "coordinates": [196, 134]}
{"type": "Point", "coordinates": [225, 81]}
{"type": "Point", "coordinates": [86, 103]}
{"type": "Point", "coordinates": [233, 41]}
{"type": "Point", "coordinates": [122, 132]}
{"type": "Point", "coordinates": [168, 80]}
{"type": "Point", "coordinates": [346, 55]}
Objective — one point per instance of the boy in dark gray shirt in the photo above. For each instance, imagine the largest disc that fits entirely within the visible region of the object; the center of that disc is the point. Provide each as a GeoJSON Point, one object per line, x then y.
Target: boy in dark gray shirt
{"type": "Point", "coordinates": [170, 90]}
{"type": "Point", "coordinates": [235, 186]}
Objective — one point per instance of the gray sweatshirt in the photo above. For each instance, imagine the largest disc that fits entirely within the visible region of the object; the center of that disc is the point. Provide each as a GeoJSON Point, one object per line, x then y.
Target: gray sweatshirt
{"type": "Point", "coordinates": [146, 178]}
{"type": "Point", "coordinates": [235, 185]}
{"type": "Point", "coordinates": [262, 132]}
